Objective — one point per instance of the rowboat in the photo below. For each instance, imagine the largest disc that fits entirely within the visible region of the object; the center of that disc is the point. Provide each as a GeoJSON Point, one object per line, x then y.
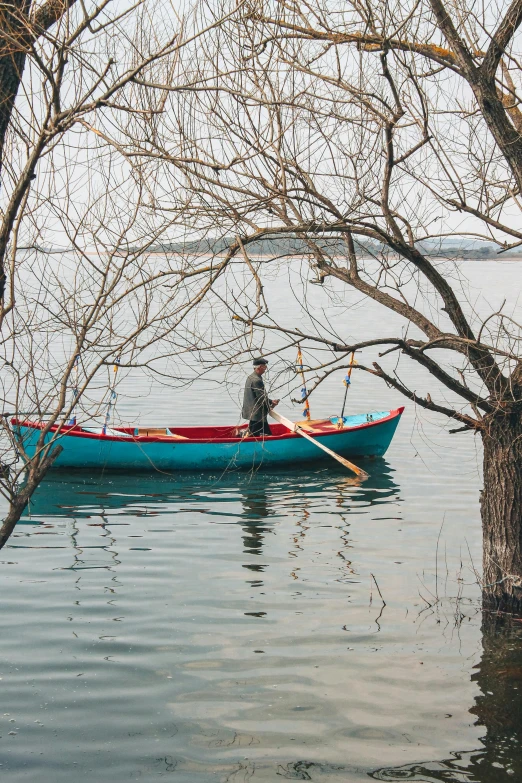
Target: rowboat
{"type": "Point", "coordinates": [211, 448]}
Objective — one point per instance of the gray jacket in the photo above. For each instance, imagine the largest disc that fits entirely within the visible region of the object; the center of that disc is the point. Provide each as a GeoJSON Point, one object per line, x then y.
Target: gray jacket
{"type": "Point", "coordinates": [256, 404]}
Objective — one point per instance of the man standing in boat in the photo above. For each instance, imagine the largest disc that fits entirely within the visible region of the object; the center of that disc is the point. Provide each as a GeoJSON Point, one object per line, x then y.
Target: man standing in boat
{"type": "Point", "coordinates": [256, 404]}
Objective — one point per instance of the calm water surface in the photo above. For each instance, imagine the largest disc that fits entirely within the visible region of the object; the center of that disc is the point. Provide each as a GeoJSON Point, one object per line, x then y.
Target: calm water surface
{"type": "Point", "coordinates": [264, 627]}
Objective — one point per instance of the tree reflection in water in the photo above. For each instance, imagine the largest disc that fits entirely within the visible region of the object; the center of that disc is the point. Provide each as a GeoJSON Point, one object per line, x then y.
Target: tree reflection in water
{"type": "Point", "coordinates": [458, 769]}
{"type": "Point", "coordinates": [498, 708]}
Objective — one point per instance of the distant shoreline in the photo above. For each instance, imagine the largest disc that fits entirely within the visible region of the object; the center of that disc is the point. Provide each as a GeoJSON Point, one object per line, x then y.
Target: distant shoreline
{"type": "Point", "coordinates": [266, 256]}
{"type": "Point", "coordinates": [273, 257]}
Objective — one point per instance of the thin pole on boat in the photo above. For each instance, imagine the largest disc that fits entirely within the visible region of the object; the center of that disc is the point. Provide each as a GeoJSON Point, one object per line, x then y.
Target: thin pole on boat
{"type": "Point", "coordinates": [72, 420]}
{"type": "Point", "coordinates": [304, 392]}
{"type": "Point", "coordinates": [293, 427]}
{"type": "Point", "coordinates": [347, 382]}
{"type": "Point", "coordinates": [112, 397]}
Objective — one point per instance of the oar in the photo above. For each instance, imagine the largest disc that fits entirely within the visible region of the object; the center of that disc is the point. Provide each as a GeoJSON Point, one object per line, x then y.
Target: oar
{"type": "Point", "coordinates": [293, 427]}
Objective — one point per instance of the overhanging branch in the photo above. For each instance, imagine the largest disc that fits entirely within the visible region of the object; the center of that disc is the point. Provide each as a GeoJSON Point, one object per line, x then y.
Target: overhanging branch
{"type": "Point", "coordinates": [425, 402]}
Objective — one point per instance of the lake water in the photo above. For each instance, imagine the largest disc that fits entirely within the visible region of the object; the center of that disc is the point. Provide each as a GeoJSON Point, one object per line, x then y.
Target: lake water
{"type": "Point", "coordinates": [260, 627]}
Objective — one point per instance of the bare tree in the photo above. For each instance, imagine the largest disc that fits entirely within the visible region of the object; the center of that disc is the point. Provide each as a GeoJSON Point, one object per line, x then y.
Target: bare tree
{"type": "Point", "coordinates": [359, 132]}
{"type": "Point", "coordinates": [69, 73]}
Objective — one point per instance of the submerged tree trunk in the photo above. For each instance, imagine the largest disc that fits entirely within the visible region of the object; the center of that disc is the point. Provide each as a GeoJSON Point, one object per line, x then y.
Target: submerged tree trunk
{"type": "Point", "coordinates": [19, 500]}
{"type": "Point", "coordinates": [501, 506]}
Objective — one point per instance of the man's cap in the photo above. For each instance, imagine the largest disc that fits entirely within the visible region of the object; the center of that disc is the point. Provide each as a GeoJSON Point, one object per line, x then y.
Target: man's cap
{"type": "Point", "coordinates": [259, 361]}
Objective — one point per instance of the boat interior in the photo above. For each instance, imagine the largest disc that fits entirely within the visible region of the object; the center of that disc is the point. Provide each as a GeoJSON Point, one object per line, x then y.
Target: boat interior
{"type": "Point", "coordinates": [313, 426]}
{"type": "Point", "coordinates": [222, 433]}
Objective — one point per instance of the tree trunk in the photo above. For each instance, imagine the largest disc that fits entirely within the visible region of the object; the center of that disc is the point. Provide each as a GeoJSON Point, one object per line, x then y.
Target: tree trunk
{"type": "Point", "coordinates": [501, 507]}
{"type": "Point", "coordinates": [20, 500]}
{"type": "Point", "coordinates": [505, 134]}
{"type": "Point", "coordinates": [13, 52]}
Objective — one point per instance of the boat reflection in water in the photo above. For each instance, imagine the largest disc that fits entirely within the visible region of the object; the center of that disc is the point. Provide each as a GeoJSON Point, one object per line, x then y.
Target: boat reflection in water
{"type": "Point", "coordinates": [258, 503]}
{"type": "Point", "coordinates": [264, 498]}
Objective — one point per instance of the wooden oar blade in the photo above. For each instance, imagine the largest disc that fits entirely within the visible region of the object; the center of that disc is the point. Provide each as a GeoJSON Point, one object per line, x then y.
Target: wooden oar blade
{"type": "Point", "coordinates": [293, 427]}
{"type": "Point", "coordinates": [358, 471]}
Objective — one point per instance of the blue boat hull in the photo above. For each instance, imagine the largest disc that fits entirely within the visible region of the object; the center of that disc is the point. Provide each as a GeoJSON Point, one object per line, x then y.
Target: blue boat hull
{"type": "Point", "coordinates": [367, 439]}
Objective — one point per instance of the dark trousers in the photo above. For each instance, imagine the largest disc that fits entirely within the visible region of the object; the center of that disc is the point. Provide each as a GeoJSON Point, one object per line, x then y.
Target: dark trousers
{"type": "Point", "coordinates": [259, 428]}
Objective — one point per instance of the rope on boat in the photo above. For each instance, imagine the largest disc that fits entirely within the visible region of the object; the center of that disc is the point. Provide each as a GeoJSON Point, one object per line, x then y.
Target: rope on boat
{"type": "Point", "coordinates": [304, 392]}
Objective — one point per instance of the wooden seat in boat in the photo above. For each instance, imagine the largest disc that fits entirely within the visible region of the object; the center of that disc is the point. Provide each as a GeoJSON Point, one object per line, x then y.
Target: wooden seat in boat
{"type": "Point", "coordinates": [159, 432]}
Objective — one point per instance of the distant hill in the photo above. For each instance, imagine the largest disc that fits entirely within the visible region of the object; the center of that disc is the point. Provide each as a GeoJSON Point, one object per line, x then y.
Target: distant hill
{"type": "Point", "coordinates": [454, 247]}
